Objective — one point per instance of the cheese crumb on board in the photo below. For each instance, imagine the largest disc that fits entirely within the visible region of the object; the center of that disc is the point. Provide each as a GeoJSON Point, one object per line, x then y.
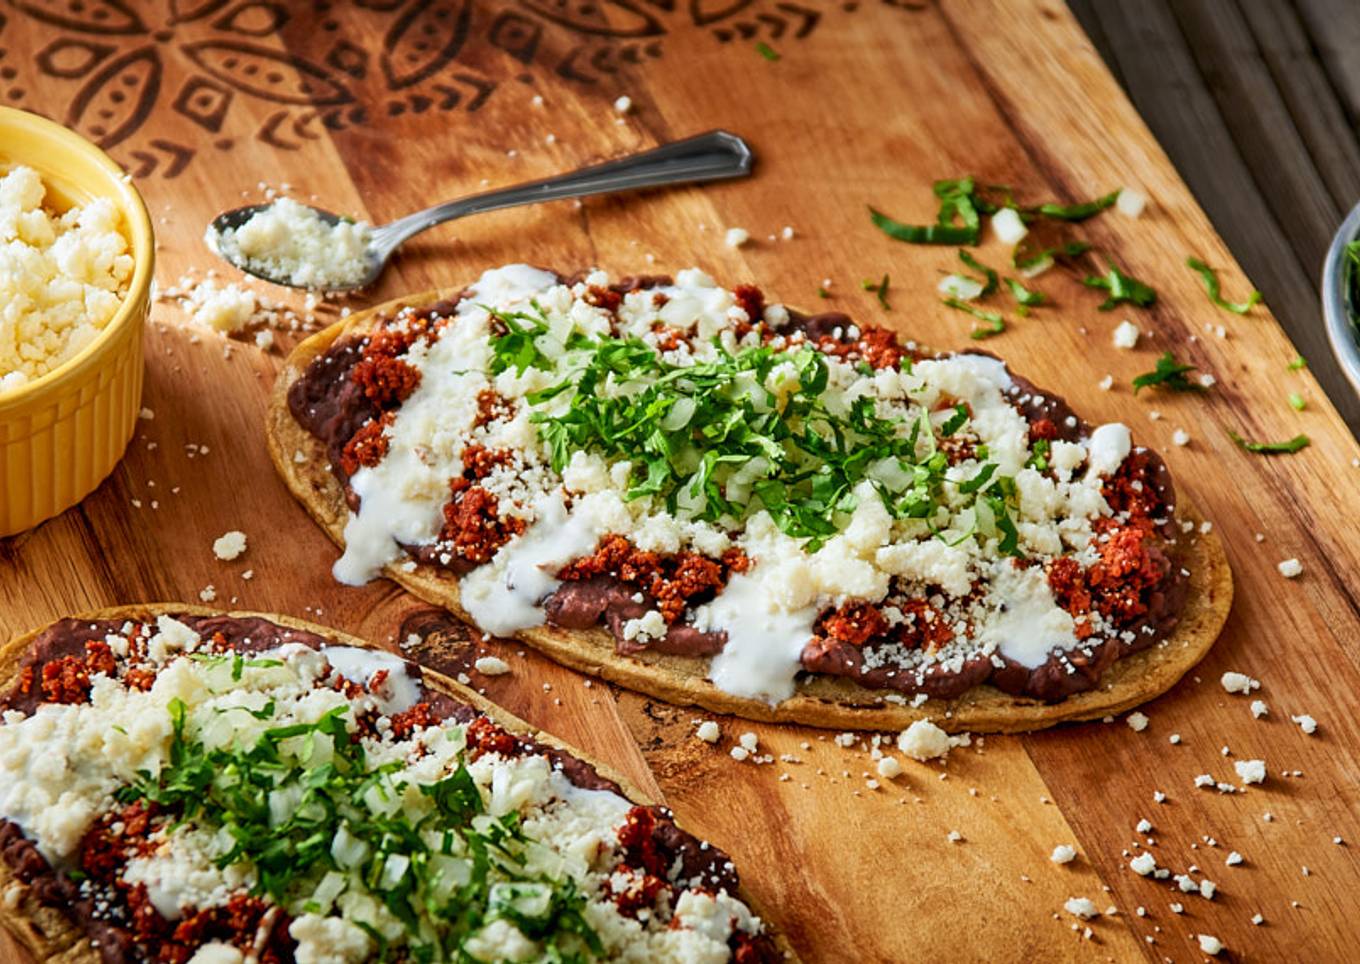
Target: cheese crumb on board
{"type": "Point", "coordinates": [62, 276]}
{"type": "Point", "coordinates": [923, 741]}
{"type": "Point", "coordinates": [1143, 864]}
{"type": "Point", "coordinates": [230, 545]}
{"type": "Point", "coordinates": [1251, 771]}
{"type": "Point", "coordinates": [1063, 854]}
{"type": "Point", "coordinates": [708, 731]}
{"type": "Point", "coordinates": [1239, 683]}
{"type": "Point", "coordinates": [736, 237]}
{"type": "Point", "coordinates": [1137, 722]}
{"type": "Point", "coordinates": [1259, 708]}
{"type": "Point", "coordinates": [491, 666]}
{"type": "Point", "coordinates": [1210, 945]}
{"type": "Point", "coordinates": [1290, 568]}
{"type": "Point", "coordinates": [1082, 907]}
{"type": "Point", "coordinates": [1126, 335]}
{"type": "Point", "coordinates": [1306, 723]}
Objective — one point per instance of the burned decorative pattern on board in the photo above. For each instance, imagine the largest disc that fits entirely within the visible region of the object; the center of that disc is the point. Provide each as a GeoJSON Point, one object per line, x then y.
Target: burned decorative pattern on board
{"type": "Point", "coordinates": [327, 67]}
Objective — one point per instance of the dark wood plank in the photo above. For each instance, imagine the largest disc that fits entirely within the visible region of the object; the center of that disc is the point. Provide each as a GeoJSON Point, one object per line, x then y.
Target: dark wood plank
{"type": "Point", "coordinates": [1250, 100]}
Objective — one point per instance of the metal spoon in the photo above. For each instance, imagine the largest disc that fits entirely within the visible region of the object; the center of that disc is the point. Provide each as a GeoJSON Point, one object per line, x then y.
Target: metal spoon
{"type": "Point", "coordinates": [707, 157]}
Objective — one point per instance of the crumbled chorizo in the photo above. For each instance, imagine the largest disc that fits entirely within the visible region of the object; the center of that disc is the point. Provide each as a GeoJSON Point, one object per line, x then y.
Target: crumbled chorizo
{"type": "Point", "coordinates": [491, 406]}
{"type": "Point", "coordinates": [674, 581]}
{"type": "Point", "coordinates": [1042, 428]}
{"type": "Point", "coordinates": [855, 623]}
{"type": "Point", "coordinates": [385, 380]}
{"type": "Point", "coordinates": [485, 736]}
{"type": "Point", "coordinates": [478, 461]}
{"type": "Point", "coordinates": [368, 446]}
{"type": "Point", "coordinates": [417, 717]}
{"type": "Point", "coordinates": [603, 298]}
{"type": "Point", "coordinates": [66, 680]}
{"type": "Point", "coordinates": [472, 522]}
{"type": "Point", "coordinates": [637, 841]}
{"type": "Point", "coordinates": [751, 300]}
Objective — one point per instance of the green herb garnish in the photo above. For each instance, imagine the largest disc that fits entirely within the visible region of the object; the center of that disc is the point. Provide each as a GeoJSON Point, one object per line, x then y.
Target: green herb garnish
{"type": "Point", "coordinates": [880, 289]}
{"type": "Point", "coordinates": [1296, 402]}
{"type": "Point", "coordinates": [1025, 261]}
{"type": "Point", "coordinates": [923, 233]}
{"type": "Point", "coordinates": [1211, 286]}
{"type": "Point", "coordinates": [1168, 374]}
{"type": "Point", "coordinates": [1077, 212]}
{"type": "Point", "coordinates": [1121, 287]}
{"type": "Point", "coordinates": [995, 323]}
{"type": "Point", "coordinates": [766, 51]}
{"type": "Point", "coordinates": [991, 277]}
{"type": "Point", "coordinates": [1298, 362]}
{"type": "Point", "coordinates": [1023, 295]}
{"type": "Point", "coordinates": [1271, 448]}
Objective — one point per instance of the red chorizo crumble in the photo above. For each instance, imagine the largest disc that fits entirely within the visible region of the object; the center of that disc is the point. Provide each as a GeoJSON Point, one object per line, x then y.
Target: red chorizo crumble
{"type": "Point", "coordinates": [409, 720]}
{"type": "Point", "coordinates": [485, 736]}
{"type": "Point", "coordinates": [674, 581]}
{"type": "Point", "coordinates": [751, 300]}
{"type": "Point", "coordinates": [855, 623]}
{"type": "Point", "coordinates": [603, 298]}
{"type": "Point", "coordinates": [877, 346]}
{"type": "Point", "coordinates": [668, 338]}
{"type": "Point", "coordinates": [1042, 428]}
{"type": "Point", "coordinates": [491, 405]}
{"type": "Point", "coordinates": [67, 679]}
{"type": "Point", "coordinates": [26, 680]}
{"type": "Point", "coordinates": [638, 843]}
{"type": "Point", "coordinates": [479, 461]}
{"type": "Point", "coordinates": [472, 522]}
{"type": "Point", "coordinates": [368, 446]}
{"type": "Point", "coordinates": [385, 380]}
{"type": "Point", "coordinates": [1131, 490]}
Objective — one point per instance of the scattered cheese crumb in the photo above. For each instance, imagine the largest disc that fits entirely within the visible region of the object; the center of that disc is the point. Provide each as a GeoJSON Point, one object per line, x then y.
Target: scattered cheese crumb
{"type": "Point", "coordinates": [491, 666]}
{"type": "Point", "coordinates": [230, 545]}
{"type": "Point", "coordinates": [1180, 437]}
{"type": "Point", "coordinates": [624, 104]}
{"type": "Point", "coordinates": [749, 742]}
{"type": "Point", "coordinates": [1174, 738]}
{"type": "Point", "coordinates": [954, 836]}
{"type": "Point", "coordinates": [1259, 708]}
{"type": "Point", "coordinates": [1239, 683]}
{"type": "Point", "coordinates": [207, 593]}
{"type": "Point", "coordinates": [736, 237]}
{"type": "Point", "coordinates": [1081, 907]}
{"type": "Point", "coordinates": [1210, 945]}
{"type": "Point", "coordinates": [1251, 771]}
{"type": "Point", "coordinates": [1063, 854]}
{"type": "Point", "coordinates": [1306, 723]}
{"type": "Point", "coordinates": [739, 753]}
{"type": "Point", "coordinates": [1126, 334]}
{"type": "Point", "coordinates": [888, 767]}
{"type": "Point", "coordinates": [708, 731]}
{"type": "Point", "coordinates": [1234, 859]}
{"type": "Point", "coordinates": [1290, 568]}
{"type": "Point", "coordinates": [923, 740]}
{"type": "Point", "coordinates": [1137, 721]}
{"type": "Point", "coordinates": [1258, 919]}
{"type": "Point", "coordinates": [1143, 864]}
{"type": "Point", "coordinates": [1106, 383]}
{"type": "Point", "coordinates": [1144, 826]}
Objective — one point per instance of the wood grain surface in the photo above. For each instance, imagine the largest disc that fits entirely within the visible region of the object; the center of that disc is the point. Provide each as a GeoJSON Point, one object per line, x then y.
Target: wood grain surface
{"type": "Point", "coordinates": [381, 108]}
{"type": "Point", "coordinates": [1257, 102]}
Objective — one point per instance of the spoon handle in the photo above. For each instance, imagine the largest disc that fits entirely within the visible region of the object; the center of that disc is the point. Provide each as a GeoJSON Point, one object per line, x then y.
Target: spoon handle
{"type": "Point", "coordinates": [706, 157]}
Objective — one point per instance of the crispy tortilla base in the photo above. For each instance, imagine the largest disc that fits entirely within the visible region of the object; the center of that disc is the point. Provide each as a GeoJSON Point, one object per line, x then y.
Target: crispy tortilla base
{"type": "Point", "coordinates": [54, 937]}
{"type": "Point", "coordinates": [822, 701]}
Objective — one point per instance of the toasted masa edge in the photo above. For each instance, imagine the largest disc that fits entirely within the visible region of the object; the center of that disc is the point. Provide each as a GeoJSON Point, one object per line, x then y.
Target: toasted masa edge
{"type": "Point", "coordinates": [824, 701]}
{"type": "Point", "coordinates": [55, 938]}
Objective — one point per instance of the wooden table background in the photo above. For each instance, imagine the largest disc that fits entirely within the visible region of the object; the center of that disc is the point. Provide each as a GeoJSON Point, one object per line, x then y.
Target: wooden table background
{"type": "Point", "coordinates": [379, 107]}
{"type": "Point", "coordinates": [1257, 102]}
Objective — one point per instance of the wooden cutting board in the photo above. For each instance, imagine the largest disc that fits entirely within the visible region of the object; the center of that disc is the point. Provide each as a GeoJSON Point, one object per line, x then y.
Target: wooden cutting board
{"type": "Point", "coordinates": [381, 107]}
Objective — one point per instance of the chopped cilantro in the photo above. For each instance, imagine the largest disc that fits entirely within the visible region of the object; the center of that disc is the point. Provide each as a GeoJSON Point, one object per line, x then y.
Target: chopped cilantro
{"type": "Point", "coordinates": [518, 347]}
{"type": "Point", "coordinates": [1121, 287]}
{"type": "Point", "coordinates": [1298, 362]}
{"type": "Point", "coordinates": [924, 233]}
{"type": "Point", "coordinates": [880, 288]}
{"type": "Point", "coordinates": [1271, 448]}
{"type": "Point", "coordinates": [1296, 402]}
{"type": "Point", "coordinates": [1023, 260]}
{"type": "Point", "coordinates": [1211, 286]}
{"type": "Point", "coordinates": [1168, 374]}
{"type": "Point", "coordinates": [991, 277]}
{"type": "Point", "coordinates": [822, 292]}
{"type": "Point", "coordinates": [995, 323]}
{"type": "Point", "coordinates": [766, 51]}
{"type": "Point", "coordinates": [1077, 212]}
{"type": "Point", "coordinates": [1024, 296]}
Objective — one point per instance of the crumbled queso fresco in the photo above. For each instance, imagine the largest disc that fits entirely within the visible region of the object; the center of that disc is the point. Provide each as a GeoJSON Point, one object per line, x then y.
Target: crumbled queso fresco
{"type": "Point", "coordinates": [288, 240]}
{"type": "Point", "coordinates": [62, 277]}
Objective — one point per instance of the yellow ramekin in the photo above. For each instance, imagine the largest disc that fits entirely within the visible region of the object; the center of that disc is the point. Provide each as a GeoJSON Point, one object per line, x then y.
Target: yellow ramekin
{"type": "Point", "coordinates": [62, 434]}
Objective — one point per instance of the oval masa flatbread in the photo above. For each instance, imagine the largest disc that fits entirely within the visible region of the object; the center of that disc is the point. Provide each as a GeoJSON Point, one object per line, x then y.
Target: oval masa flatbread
{"type": "Point", "coordinates": [822, 700]}
{"type": "Point", "coordinates": [52, 935]}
